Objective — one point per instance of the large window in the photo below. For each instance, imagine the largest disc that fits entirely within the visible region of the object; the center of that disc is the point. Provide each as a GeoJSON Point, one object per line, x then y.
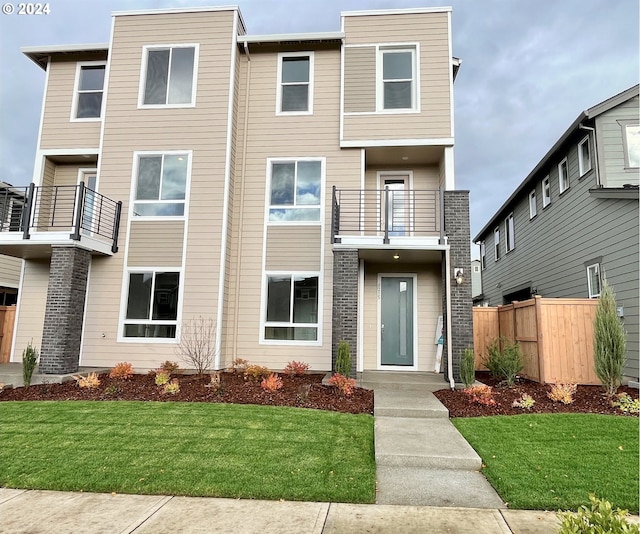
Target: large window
{"type": "Point", "coordinates": [533, 206]}
{"type": "Point", "coordinates": [291, 308]}
{"type": "Point", "coordinates": [563, 175]}
{"type": "Point", "coordinates": [496, 243]}
{"type": "Point", "coordinates": [594, 280]}
{"type": "Point", "coordinates": [89, 89]}
{"type": "Point", "coordinates": [509, 231]}
{"type": "Point", "coordinates": [161, 184]}
{"type": "Point", "coordinates": [295, 83]}
{"type": "Point", "coordinates": [152, 304]}
{"type": "Point", "coordinates": [546, 192]}
{"type": "Point", "coordinates": [631, 134]}
{"type": "Point", "coordinates": [397, 79]}
{"type": "Point", "coordinates": [295, 193]}
{"type": "Point", "coordinates": [169, 76]}
{"type": "Point", "coordinates": [584, 156]}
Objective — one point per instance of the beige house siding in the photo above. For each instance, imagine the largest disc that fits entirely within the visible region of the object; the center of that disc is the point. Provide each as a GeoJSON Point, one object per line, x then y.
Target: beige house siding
{"type": "Point", "coordinates": [31, 307]}
{"type": "Point", "coordinates": [67, 174]}
{"type": "Point", "coordinates": [58, 130]}
{"type": "Point", "coordinates": [305, 255]}
{"type": "Point", "coordinates": [429, 307]}
{"type": "Point", "coordinates": [49, 173]}
{"type": "Point", "coordinates": [153, 243]}
{"type": "Point", "coordinates": [431, 32]}
{"type": "Point", "coordinates": [10, 271]}
{"type": "Point", "coordinates": [201, 129]}
{"type": "Point", "coordinates": [360, 79]}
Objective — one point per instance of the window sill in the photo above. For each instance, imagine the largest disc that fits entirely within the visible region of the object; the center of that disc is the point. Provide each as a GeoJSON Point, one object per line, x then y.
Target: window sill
{"type": "Point", "coordinates": [534, 217]}
{"type": "Point", "coordinates": [586, 173]}
{"type": "Point", "coordinates": [143, 218]}
{"type": "Point", "coordinates": [565, 191]}
{"type": "Point", "coordinates": [166, 106]}
{"type": "Point", "coordinates": [383, 112]}
{"type": "Point", "coordinates": [293, 113]}
{"type": "Point", "coordinates": [87, 119]}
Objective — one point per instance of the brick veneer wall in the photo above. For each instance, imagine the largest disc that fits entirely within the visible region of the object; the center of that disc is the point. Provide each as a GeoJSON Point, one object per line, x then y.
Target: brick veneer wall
{"type": "Point", "coordinates": [345, 304]}
{"type": "Point", "coordinates": [62, 333]}
{"type": "Point", "coordinates": [457, 229]}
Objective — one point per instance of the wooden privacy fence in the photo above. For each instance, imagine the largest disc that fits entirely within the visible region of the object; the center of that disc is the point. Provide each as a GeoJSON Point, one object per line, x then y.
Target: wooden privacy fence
{"type": "Point", "coordinates": [7, 320]}
{"type": "Point", "coordinates": [555, 336]}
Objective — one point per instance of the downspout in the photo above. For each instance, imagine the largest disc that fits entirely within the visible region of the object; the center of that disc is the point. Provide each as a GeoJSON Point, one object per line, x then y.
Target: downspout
{"type": "Point", "coordinates": [447, 277]}
{"type": "Point", "coordinates": [236, 312]}
{"type": "Point", "coordinates": [595, 151]}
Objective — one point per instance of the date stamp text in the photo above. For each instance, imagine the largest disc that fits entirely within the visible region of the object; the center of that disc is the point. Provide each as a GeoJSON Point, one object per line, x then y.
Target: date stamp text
{"type": "Point", "coordinates": [25, 8]}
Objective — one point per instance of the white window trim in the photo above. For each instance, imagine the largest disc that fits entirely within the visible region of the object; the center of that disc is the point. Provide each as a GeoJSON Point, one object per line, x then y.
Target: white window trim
{"type": "Point", "coordinates": [561, 185]}
{"type": "Point", "coordinates": [581, 163]}
{"type": "Point", "coordinates": [533, 205]}
{"type": "Point", "coordinates": [282, 55]}
{"type": "Point", "coordinates": [509, 233]}
{"type": "Point", "coordinates": [599, 272]}
{"type": "Point", "coordinates": [263, 311]}
{"type": "Point", "coordinates": [624, 124]}
{"type": "Point", "coordinates": [124, 296]}
{"type": "Point", "coordinates": [483, 256]}
{"type": "Point", "coordinates": [76, 87]}
{"type": "Point", "coordinates": [496, 243]}
{"type": "Point", "coordinates": [267, 202]}
{"type": "Point", "coordinates": [143, 75]}
{"type": "Point", "coordinates": [134, 184]}
{"type": "Point", "coordinates": [546, 200]}
{"type": "Point", "coordinates": [381, 48]}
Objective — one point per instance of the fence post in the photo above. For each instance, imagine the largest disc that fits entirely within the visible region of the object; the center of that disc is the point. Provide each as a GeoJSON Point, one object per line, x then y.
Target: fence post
{"type": "Point", "coordinates": [540, 341]}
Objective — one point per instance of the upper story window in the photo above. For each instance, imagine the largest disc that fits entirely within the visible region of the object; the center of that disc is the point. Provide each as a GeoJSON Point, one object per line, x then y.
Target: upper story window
{"type": "Point", "coordinates": [87, 101]}
{"type": "Point", "coordinates": [631, 134]}
{"type": "Point", "coordinates": [295, 192]}
{"type": "Point", "coordinates": [496, 243]}
{"type": "Point", "coordinates": [563, 175]}
{"type": "Point", "coordinates": [483, 254]}
{"type": "Point", "coordinates": [169, 76]}
{"type": "Point", "coordinates": [533, 205]}
{"type": "Point", "coordinates": [509, 231]}
{"type": "Point", "coordinates": [161, 185]}
{"type": "Point", "coordinates": [397, 79]}
{"type": "Point", "coordinates": [584, 156]}
{"type": "Point", "coordinates": [295, 83]}
{"type": "Point", "coordinates": [546, 192]}
{"type": "Point", "coordinates": [594, 280]}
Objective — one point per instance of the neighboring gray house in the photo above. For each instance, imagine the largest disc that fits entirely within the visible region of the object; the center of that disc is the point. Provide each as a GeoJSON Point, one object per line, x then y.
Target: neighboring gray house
{"type": "Point", "coordinates": [476, 282]}
{"type": "Point", "coordinates": [574, 219]}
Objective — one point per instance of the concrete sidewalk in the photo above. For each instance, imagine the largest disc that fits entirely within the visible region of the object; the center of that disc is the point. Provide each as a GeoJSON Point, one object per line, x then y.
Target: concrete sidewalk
{"type": "Point", "coordinates": [52, 512]}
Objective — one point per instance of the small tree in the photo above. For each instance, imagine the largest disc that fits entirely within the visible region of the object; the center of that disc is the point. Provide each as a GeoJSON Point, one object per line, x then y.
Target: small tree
{"type": "Point", "coordinates": [343, 360]}
{"type": "Point", "coordinates": [609, 342]}
{"type": "Point", "coordinates": [197, 346]}
{"type": "Point", "coordinates": [468, 367]}
{"type": "Point", "coordinates": [29, 362]}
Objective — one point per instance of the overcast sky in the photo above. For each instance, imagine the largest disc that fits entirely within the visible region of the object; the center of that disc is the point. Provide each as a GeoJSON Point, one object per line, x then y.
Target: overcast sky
{"type": "Point", "coordinates": [529, 68]}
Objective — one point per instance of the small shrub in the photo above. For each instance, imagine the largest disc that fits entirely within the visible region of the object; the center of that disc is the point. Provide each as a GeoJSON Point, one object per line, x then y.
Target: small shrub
{"type": "Point", "coordinates": [343, 359]}
{"type": "Point", "coordinates": [112, 390]}
{"type": "Point", "coordinates": [296, 368]}
{"type": "Point", "coordinates": [600, 518]}
{"type": "Point", "coordinates": [122, 371]}
{"type": "Point", "coordinates": [215, 382]}
{"type": "Point", "coordinates": [303, 393]}
{"type": "Point", "coordinates": [504, 364]}
{"type": "Point", "coordinates": [271, 383]}
{"type": "Point", "coordinates": [239, 365]}
{"type": "Point", "coordinates": [626, 404]}
{"type": "Point", "coordinates": [91, 381]}
{"type": "Point", "coordinates": [197, 345]}
{"type": "Point", "coordinates": [29, 362]}
{"type": "Point", "coordinates": [481, 394]}
{"type": "Point", "coordinates": [162, 377]}
{"type": "Point", "coordinates": [344, 384]}
{"type": "Point", "coordinates": [172, 387]}
{"type": "Point", "coordinates": [609, 342]}
{"type": "Point", "coordinates": [256, 372]}
{"type": "Point", "coordinates": [526, 402]}
{"type": "Point", "coordinates": [468, 368]}
{"type": "Point", "coordinates": [170, 367]}
{"type": "Point", "coordinates": [562, 393]}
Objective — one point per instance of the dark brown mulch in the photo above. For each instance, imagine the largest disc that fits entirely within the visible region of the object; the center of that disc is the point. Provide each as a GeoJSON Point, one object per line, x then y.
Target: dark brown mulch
{"type": "Point", "coordinates": [588, 399]}
{"type": "Point", "coordinates": [235, 389]}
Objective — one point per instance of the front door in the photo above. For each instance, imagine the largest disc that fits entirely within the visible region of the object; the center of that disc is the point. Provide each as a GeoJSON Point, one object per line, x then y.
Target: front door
{"type": "Point", "coordinates": [396, 320]}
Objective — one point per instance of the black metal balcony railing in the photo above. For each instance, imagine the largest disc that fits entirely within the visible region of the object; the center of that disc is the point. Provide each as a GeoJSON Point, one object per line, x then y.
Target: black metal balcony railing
{"type": "Point", "coordinates": [385, 213]}
{"type": "Point", "coordinates": [73, 208]}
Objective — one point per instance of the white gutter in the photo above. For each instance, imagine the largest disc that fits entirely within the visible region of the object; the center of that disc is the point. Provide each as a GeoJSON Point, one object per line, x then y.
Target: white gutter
{"type": "Point", "coordinates": [447, 277]}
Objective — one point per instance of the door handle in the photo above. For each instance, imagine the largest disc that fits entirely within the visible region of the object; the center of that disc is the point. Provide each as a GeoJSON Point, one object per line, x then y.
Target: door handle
{"type": "Point", "coordinates": [381, 331]}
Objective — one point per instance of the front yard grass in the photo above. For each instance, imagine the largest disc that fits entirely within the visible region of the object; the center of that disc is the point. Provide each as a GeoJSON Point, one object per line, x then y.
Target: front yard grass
{"type": "Point", "coordinates": [194, 449]}
{"type": "Point", "coordinates": [553, 461]}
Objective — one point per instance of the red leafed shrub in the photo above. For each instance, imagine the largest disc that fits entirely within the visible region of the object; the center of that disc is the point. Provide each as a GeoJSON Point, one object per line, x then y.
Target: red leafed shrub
{"type": "Point", "coordinates": [271, 383]}
{"type": "Point", "coordinates": [562, 393]}
{"type": "Point", "coordinates": [169, 366]}
{"type": "Point", "coordinates": [343, 383]}
{"type": "Point", "coordinates": [480, 395]}
{"type": "Point", "coordinates": [296, 368]}
{"type": "Point", "coordinates": [122, 371]}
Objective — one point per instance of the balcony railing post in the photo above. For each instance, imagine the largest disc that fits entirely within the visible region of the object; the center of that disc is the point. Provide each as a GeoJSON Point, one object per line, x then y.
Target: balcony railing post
{"type": "Point", "coordinates": [116, 227]}
{"type": "Point", "coordinates": [386, 215]}
{"type": "Point", "coordinates": [333, 214]}
{"type": "Point", "coordinates": [79, 212]}
{"type": "Point", "coordinates": [26, 213]}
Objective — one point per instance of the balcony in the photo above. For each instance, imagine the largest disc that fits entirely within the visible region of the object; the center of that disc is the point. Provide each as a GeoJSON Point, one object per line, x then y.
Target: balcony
{"type": "Point", "coordinates": [387, 218]}
{"type": "Point", "coordinates": [35, 218]}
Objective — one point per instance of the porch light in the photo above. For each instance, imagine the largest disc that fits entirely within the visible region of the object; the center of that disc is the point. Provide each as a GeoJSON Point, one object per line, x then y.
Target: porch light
{"type": "Point", "coordinates": [396, 256]}
{"type": "Point", "coordinates": [458, 274]}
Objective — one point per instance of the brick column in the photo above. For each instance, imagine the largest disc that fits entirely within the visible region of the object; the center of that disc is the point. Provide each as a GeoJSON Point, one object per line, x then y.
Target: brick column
{"type": "Point", "coordinates": [458, 232]}
{"type": "Point", "coordinates": [345, 304]}
{"type": "Point", "coordinates": [62, 333]}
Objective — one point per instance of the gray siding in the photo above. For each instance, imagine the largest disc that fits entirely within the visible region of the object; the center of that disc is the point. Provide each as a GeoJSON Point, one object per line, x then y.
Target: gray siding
{"type": "Point", "coordinates": [552, 250]}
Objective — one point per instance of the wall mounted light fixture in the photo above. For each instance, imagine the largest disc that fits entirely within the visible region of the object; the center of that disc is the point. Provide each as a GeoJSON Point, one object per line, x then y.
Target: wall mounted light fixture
{"type": "Point", "coordinates": [458, 275]}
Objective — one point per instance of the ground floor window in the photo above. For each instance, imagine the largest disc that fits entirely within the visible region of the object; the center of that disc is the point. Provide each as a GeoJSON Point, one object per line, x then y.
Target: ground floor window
{"type": "Point", "coordinates": [594, 280]}
{"type": "Point", "coordinates": [291, 310]}
{"type": "Point", "coordinates": [152, 304]}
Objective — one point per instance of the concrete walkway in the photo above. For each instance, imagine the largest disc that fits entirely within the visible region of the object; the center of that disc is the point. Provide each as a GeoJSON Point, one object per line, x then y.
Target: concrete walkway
{"type": "Point", "coordinates": [421, 458]}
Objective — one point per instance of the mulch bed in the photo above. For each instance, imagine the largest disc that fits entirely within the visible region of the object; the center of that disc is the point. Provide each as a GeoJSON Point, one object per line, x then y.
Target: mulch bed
{"type": "Point", "coordinates": [588, 399]}
{"type": "Point", "coordinates": [235, 389]}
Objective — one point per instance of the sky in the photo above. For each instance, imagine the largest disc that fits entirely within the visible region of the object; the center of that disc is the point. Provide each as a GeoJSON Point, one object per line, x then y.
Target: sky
{"type": "Point", "coordinates": [529, 67]}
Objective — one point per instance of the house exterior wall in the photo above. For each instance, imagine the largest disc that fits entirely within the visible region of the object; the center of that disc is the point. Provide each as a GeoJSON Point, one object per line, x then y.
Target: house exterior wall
{"type": "Point", "coordinates": [10, 269]}
{"type": "Point", "coordinates": [32, 301]}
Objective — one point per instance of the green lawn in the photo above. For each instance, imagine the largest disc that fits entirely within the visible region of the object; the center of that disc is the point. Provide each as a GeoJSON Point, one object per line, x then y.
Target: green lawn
{"type": "Point", "coordinates": [197, 449]}
{"type": "Point", "coordinates": [553, 461]}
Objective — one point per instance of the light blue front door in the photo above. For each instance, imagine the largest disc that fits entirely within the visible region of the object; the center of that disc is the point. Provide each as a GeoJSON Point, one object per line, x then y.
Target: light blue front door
{"type": "Point", "coordinates": [396, 328]}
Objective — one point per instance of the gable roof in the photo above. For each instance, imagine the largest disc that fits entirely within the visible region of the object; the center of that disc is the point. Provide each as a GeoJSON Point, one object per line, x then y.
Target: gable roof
{"type": "Point", "coordinates": [588, 114]}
